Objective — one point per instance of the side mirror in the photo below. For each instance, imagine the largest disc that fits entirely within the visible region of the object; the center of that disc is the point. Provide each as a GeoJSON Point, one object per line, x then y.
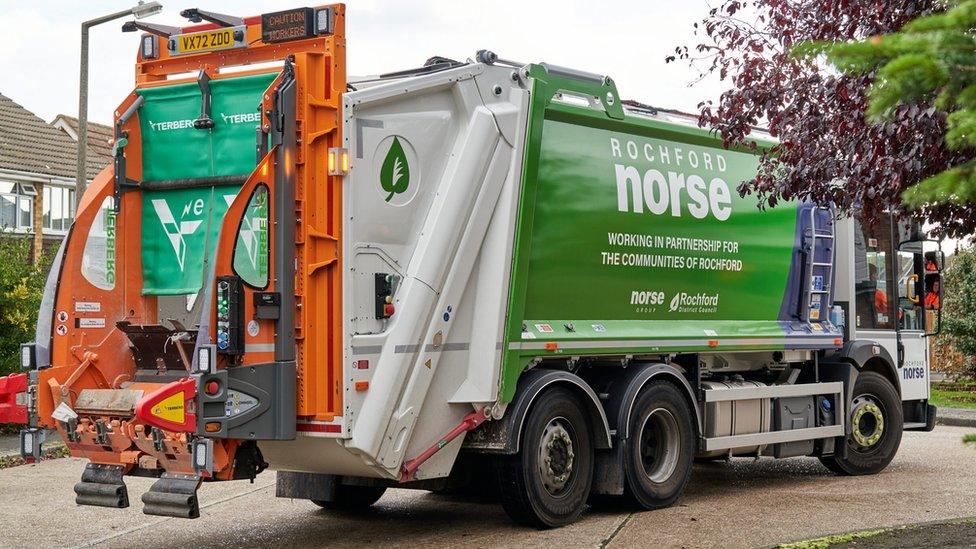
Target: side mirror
{"type": "Point", "coordinates": [927, 280]}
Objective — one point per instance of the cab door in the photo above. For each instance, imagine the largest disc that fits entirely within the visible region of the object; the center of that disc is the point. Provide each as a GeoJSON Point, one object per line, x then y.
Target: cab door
{"type": "Point", "coordinates": [914, 350]}
{"type": "Point", "coordinates": [886, 307]}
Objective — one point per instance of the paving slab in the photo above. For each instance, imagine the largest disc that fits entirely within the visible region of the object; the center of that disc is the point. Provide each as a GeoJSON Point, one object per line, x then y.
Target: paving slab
{"type": "Point", "coordinates": [756, 504]}
{"type": "Point", "coordinates": [742, 504]}
{"type": "Point", "coordinates": [958, 417]}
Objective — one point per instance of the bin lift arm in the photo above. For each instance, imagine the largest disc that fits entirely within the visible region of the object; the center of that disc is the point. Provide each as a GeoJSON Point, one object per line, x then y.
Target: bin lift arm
{"type": "Point", "coordinates": [165, 31]}
{"type": "Point", "coordinates": [118, 152]}
{"type": "Point", "coordinates": [204, 122]}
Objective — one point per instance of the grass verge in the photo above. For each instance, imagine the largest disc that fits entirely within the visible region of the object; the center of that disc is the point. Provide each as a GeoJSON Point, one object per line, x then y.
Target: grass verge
{"type": "Point", "coordinates": [14, 461]}
{"type": "Point", "coordinates": [837, 539]}
{"type": "Point", "coordinates": [954, 532]}
{"type": "Point", "coordinates": [952, 399]}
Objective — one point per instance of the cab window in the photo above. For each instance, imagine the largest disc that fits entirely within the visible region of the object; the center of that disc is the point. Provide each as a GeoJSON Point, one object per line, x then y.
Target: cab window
{"type": "Point", "coordinates": [908, 274]}
{"type": "Point", "coordinates": [251, 248]}
{"type": "Point", "coordinates": [874, 298]}
{"type": "Point", "coordinates": [98, 259]}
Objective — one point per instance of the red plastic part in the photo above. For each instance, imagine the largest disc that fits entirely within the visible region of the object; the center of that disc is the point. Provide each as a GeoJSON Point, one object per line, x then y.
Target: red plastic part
{"type": "Point", "coordinates": [146, 408]}
{"type": "Point", "coordinates": [469, 423]}
{"type": "Point", "coordinates": [10, 387]}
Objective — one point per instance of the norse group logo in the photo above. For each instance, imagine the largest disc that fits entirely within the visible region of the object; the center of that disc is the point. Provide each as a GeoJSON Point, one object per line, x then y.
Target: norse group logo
{"type": "Point", "coordinates": [397, 169]}
{"type": "Point", "coordinates": [702, 302]}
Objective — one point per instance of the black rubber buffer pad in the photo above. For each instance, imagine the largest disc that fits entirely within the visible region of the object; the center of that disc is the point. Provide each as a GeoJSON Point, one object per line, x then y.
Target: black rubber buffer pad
{"type": "Point", "coordinates": [173, 495]}
{"type": "Point", "coordinates": [102, 486]}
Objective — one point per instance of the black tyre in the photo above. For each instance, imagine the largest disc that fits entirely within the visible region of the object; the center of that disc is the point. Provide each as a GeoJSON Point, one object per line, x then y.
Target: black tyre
{"type": "Point", "coordinates": [876, 427]}
{"type": "Point", "coordinates": [660, 447]}
{"type": "Point", "coordinates": [547, 483]}
{"type": "Point", "coordinates": [352, 498]}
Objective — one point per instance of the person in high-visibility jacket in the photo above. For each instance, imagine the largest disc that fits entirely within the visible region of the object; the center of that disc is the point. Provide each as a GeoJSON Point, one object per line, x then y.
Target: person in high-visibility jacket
{"type": "Point", "coordinates": [932, 300]}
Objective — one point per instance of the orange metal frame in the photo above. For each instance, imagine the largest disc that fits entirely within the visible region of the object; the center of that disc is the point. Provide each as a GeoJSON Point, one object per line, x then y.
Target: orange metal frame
{"type": "Point", "coordinates": [100, 358]}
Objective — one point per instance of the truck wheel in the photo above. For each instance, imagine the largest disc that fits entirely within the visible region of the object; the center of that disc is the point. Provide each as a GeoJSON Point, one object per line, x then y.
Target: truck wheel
{"type": "Point", "coordinates": [547, 483]}
{"type": "Point", "coordinates": [876, 426]}
{"type": "Point", "coordinates": [660, 447]}
{"type": "Point", "coordinates": [352, 498]}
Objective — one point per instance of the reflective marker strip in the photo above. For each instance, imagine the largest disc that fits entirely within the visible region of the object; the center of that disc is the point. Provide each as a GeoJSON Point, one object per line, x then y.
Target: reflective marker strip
{"type": "Point", "coordinates": [408, 349]}
{"type": "Point", "coordinates": [320, 427]}
{"type": "Point", "coordinates": [814, 342]}
{"type": "Point", "coordinates": [657, 343]}
{"type": "Point", "coordinates": [259, 348]}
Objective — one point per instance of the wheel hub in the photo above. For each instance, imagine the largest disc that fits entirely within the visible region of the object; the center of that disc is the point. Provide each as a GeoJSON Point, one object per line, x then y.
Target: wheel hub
{"type": "Point", "coordinates": [556, 456]}
{"type": "Point", "coordinates": [867, 422]}
{"type": "Point", "coordinates": [659, 443]}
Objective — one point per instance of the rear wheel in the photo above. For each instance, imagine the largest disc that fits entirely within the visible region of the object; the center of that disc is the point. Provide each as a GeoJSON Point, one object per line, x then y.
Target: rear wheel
{"type": "Point", "coordinates": [547, 483]}
{"type": "Point", "coordinates": [660, 447]}
{"type": "Point", "coordinates": [876, 427]}
{"type": "Point", "coordinates": [352, 498]}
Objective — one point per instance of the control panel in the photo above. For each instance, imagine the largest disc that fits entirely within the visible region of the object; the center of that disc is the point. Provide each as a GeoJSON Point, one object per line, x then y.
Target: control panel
{"type": "Point", "coordinates": [384, 295]}
{"type": "Point", "coordinates": [230, 315]}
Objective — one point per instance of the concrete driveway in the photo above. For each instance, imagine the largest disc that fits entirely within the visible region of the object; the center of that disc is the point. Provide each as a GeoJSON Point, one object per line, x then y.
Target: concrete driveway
{"type": "Point", "coordinates": [742, 504]}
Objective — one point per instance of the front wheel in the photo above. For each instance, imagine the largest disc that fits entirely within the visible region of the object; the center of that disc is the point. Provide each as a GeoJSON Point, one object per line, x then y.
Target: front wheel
{"type": "Point", "coordinates": [660, 447]}
{"type": "Point", "coordinates": [547, 483]}
{"type": "Point", "coordinates": [876, 424]}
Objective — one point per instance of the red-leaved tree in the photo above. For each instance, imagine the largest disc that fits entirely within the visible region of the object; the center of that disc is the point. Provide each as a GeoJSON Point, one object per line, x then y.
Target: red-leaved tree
{"type": "Point", "coordinates": [828, 151]}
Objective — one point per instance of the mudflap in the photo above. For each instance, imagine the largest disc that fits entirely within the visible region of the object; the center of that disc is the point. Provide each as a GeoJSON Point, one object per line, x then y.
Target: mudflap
{"type": "Point", "coordinates": [173, 495]}
{"type": "Point", "coordinates": [101, 486]}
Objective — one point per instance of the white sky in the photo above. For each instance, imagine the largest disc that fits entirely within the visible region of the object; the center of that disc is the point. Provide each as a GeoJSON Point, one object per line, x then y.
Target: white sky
{"type": "Point", "coordinates": [625, 39]}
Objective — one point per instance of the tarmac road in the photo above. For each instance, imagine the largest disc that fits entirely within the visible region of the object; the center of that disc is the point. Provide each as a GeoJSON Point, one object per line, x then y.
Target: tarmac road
{"type": "Point", "coordinates": [742, 504]}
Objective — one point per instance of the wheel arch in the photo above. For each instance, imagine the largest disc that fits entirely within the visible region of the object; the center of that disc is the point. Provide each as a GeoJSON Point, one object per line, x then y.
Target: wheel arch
{"type": "Point", "coordinates": [505, 435]}
{"type": "Point", "coordinates": [638, 377]}
{"type": "Point", "coordinates": [870, 356]}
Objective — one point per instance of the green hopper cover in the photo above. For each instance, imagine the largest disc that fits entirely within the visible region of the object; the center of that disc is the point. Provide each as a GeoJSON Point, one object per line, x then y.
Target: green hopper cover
{"type": "Point", "coordinates": [180, 226]}
{"type": "Point", "coordinates": [173, 149]}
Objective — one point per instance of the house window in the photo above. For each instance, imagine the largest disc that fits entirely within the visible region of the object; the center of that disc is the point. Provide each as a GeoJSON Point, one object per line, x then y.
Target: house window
{"type": "Point", "coordinates": [59, 208]}
{"type": "Point", "coordinates": [16, 206]}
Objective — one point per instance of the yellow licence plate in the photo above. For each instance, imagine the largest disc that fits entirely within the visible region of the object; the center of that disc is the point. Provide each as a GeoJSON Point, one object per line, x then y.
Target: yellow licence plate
{"type": "Point", "coordinates": [205, 41]}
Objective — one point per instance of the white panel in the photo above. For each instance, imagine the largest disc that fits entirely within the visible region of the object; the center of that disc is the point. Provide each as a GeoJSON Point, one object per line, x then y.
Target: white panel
{"type": "Point", "coordinates": [915, 372]}
{"type": "Point", "coordinates": [450, 241]}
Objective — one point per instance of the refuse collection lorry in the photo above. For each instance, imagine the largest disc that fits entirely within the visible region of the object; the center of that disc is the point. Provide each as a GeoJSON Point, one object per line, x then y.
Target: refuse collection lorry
{"type": "Point", "coordinates": [463, 271]}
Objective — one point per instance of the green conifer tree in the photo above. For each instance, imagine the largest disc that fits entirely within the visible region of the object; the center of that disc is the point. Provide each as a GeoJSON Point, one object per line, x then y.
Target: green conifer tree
{"type": "Point", "coordinates": [930, 61]}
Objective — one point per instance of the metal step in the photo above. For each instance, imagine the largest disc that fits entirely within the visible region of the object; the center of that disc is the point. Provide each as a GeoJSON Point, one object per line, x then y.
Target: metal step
{"type": "Point", "coordinates": [173, 495]}
{"type": "Point", "coordinates": [102, 486]}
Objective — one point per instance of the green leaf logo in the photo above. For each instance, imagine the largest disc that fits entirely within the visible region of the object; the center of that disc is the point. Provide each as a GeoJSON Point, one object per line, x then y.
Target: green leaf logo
{"type": "Point", "coordinates": [395, 172]}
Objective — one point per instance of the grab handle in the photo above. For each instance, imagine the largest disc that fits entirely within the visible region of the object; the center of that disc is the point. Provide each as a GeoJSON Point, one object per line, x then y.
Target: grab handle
{"type": "Point", "coordinates": [910, 289]}
{"type": "Point", "coordinates": [599, 90]}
